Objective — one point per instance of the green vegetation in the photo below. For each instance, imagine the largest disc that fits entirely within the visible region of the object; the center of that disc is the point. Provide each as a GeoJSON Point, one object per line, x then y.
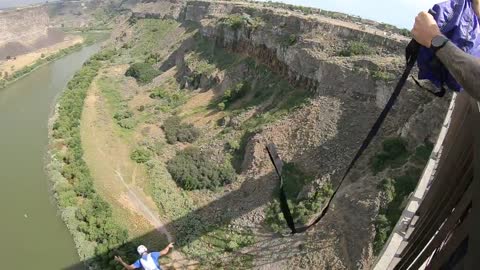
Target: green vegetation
{"type": "Point", "coordinates": [169, 99]}
{"type": "Point", "coordinates": [199, 65]}
{"type": "Point", "coordinates": [40, 62]}
{"type": "Point", "coordinates": [397, 191]}
{"type": "Point", "coordinates": [356, 48]}
{"type": "Point", "coordinates": [394, 154]}
{"type": "Point", "coordinates": [150, 33]}
{"type": "Point", "coordinates": [90, 38]}
{"type": "Point", "coordinates": [422, 153]}
{"type": "Point", "coordinates": [143, 72]}
{"type": "Point", "coordinates": [233, 94]}
{"type": "Point", "coordinates": [141, 155]}
{"type": "Point", "coordinates": [193, 169]}
{"type": "Point", "coordinates": [303, 9]}
{"type": "Point", "coordinates": [88, 217]}
{"type": "Point", "coordinates": [288, 40]}
{"type": "Point", "coordinates": [176, 131]}
{"type": "Point", "coordinates": [398, 188]}
{"type": "Point", "coordinates": [383, 75]}
{"type": "Point", "coordinates": [234, 21]}
{"type": "Point", "coordinates": [302, 209]}
{"type": "Point", "coordinates": [123, 116]}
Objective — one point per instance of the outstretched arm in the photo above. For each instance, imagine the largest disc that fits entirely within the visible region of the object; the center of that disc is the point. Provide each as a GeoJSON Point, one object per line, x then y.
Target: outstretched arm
{"type": "Point", "coordinates": [166, 249]}
{"type": "Point", "coordinates": [463, 67]}
{"type": "Point", "coordinates": [120, 260]}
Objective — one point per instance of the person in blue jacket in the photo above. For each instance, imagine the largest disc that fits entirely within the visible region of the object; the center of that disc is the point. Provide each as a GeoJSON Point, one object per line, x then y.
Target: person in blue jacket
{"type": "Point", "coordinates": [464, 67]}
{"type": "Point", "coordinates": [147, 260]}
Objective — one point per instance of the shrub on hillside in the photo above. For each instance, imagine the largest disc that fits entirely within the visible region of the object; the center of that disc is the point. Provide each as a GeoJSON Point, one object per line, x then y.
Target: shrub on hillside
{"type": "Point", "coordinates": [193, 169]}
{"type": "Point", "coordinates": [233, 94]}
{"type": "Point", "coordinates": [170, 98]}
{"type": "Point", "coordinates": [357, 48]}
{"type": "Point", "coordinates": [125, 119]}
{"type": "Point", "coordinates": [141, 155]}
{"type": "Point", "coordinates": [396, 191]}
{"type": "Point", "coordinates": [383, 75]}
{"type": "Point", "coordinates": [143, 72]}
{"type": "Point", "coordinates": [176, 131]}
{"type": "Point", "coordinates": [394, 154]}
{"type": "Point", "coordinates": [302, 209]}
{"type": "Point", "coordinates": [422, 153]}
{"type": "Point", "coordinates": [235, 21]}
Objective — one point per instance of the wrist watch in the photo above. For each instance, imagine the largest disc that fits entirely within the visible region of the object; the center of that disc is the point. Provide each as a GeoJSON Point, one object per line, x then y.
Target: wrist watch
{"type": "Point", "coordinates": [439, 42]}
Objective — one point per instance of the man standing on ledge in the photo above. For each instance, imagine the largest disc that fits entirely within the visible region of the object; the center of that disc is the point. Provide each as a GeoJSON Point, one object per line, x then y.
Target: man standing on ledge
{"type": "Point", "coordinates": [463, 67]}
{"type": "Point", "coordinates": [148, 261]}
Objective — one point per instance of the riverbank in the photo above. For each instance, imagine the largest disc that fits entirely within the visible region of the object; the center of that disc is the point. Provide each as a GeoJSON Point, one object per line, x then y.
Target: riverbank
{"type": "Point", "coordinates": [12, 65]}
{"type": "Point", "coordinates": [20, 66]}
{"type": "Point", "coordinates": [87, 216]}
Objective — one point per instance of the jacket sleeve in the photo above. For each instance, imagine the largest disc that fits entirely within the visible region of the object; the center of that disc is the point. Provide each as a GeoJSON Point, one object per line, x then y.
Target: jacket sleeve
{"type": "Point", "coordinates": [463, 67]}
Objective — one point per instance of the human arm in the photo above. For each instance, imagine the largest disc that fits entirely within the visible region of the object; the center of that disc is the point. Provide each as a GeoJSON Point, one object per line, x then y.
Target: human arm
{"type": "Point", "coordinates": [125, 265]}
{"type": "Point", "coordinates": [463, 67]}
{"type": "Point", "coordinates": [166, 249]}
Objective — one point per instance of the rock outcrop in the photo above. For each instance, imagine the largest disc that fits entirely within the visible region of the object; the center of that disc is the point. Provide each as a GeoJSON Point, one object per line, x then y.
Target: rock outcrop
{"type": "Point", "coordinates": [25, 25]}
{"type": "Point", "coordinates": [24, 30]}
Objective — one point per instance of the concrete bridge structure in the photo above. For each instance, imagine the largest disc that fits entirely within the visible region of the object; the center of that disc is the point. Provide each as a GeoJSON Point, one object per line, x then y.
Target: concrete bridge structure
{"type": "Point", "coordinates": [437, 227]}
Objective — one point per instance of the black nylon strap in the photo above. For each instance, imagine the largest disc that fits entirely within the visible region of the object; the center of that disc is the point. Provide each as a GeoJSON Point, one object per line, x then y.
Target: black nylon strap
{"type": "Point", "coordinates": [411, 53]}
{"type": "Point", "coordinates": [440, 93]}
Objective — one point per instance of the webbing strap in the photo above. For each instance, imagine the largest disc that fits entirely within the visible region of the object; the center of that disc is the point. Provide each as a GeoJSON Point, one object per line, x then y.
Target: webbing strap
{"type": "Point", "coordinates": [411, 53]}
{"type": "Point", "coordinates": [440, 93]}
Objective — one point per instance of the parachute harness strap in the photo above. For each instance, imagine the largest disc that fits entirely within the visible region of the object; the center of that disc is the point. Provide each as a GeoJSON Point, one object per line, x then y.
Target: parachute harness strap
{"type": "Point", "coordinates": [411, 53]}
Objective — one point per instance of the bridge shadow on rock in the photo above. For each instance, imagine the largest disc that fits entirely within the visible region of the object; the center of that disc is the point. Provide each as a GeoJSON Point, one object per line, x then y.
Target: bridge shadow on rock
{"type": "Point", "coordinates": [267, 248]}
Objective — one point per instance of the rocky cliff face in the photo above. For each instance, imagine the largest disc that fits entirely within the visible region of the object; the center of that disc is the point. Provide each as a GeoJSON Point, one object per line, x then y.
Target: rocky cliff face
{"type": "Point", "coordinates": [25, 25]}
{"type": "Point", "coordinates": [24, 30]}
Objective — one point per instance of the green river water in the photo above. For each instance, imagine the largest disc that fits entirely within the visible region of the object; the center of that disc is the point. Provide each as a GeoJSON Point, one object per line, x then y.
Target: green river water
{"type": "Point", "coordinates": [32, 234]}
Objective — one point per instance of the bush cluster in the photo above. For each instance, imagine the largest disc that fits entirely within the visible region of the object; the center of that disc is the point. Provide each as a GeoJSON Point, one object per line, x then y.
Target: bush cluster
{"type": "Point", "coordinates": [176, 131]}
{"type": "Point", "coordinates": [234, 21]}
{"type": "Point", "coordinates": [383, 75]}
{"type": "Point", "coordinates": [141, 155]}
{"type": "Point", "coordinates": [394, 154]}
{"type": "Point", "coordinates": [124, 118]}
{"type": "Point", "coordinates": [88, 217]}
{"type": "Point", "coordinates": [199, 65]}
{"type": "Point", "coordinates": [302, 209]}
{"type": "Point", "coordinates": [193, 169]}
{"type": "Point", "coordinates": [396, 191]}
{"type": "Point", "coordinates": [288, 40]}
{"type": "Point", "coordinates": [143, 72]}
{"type": "Point", "coordinates": [170, 99]}
{"type": "Point", "coordinates": [233, 94]}
{"type": "Point", "coordinates": [357, 48]}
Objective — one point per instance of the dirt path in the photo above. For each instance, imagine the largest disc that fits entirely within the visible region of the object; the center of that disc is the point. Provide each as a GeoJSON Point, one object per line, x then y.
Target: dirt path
{"type": "Point", "coordinates": [144, 209]}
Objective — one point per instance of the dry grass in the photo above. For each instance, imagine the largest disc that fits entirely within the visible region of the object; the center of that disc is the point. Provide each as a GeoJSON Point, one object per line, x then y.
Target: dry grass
{"type": "Point", "coordinates": [107, 156]}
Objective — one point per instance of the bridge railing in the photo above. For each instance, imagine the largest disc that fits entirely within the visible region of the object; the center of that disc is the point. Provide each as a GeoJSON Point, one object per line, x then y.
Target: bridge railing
{"type": "Point", "coordinates": [435, 225]}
